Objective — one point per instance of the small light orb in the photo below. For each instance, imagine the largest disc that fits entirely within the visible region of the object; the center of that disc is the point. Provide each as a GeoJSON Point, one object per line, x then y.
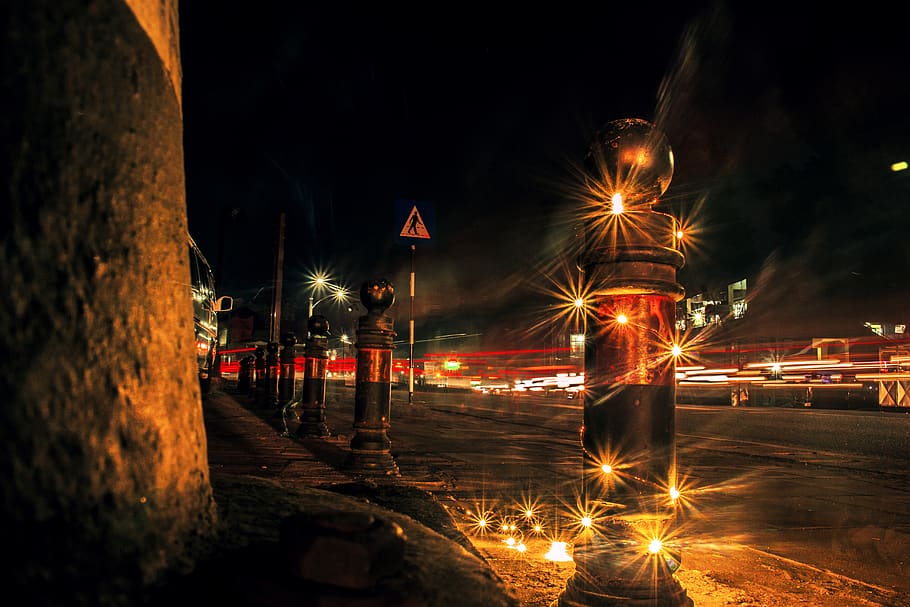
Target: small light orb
{"type": "Point", "coordinates": [521, 547]}
{"type": "Point", "coordinates": [579, 303]}
{"type": "Point", "coordinates": [680, 234]}
{"type": "Point", "coordinates": [529, 513]}
{"type": "Point", "coordinates": [509, 541]}
{"type": "Point", "coordinates": [622, 319]}
{"type": "Point", "coordinates": [482, 523]}
{"type": "Point", "coordinates": [674, 493]}
{"type": "Point", "coordinates": [607, 468]}
{"type": "Point", "coordinates": [558, 553]}
{"type": "Point", "coordinates": [676, 350]}
{"type": "Point", "coordinates": [616, 206]}
{"type": "Point", "coordinates": [655, 546]}
{"type": "Point", "coordinates": [586, 521]}
{"type": "Point", "coordinates": [538, 528]}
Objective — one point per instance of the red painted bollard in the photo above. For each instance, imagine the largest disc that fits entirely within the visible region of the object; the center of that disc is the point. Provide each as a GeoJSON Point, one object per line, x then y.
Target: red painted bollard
{"type": "Point", "coordinates": [312, 401]}
{"type": "Point", "coordinates": [628, 437]}
{"type": "Point", "coordinates": [370, 446]}
{"type": "Point", "coordinates": [259, 380]}
{"type": "Point", "coordinates": [287, 361]}
{"type": "Point", "coordinates": [272, 371]}
{"type": "Point", "coordinates": [245, 375]}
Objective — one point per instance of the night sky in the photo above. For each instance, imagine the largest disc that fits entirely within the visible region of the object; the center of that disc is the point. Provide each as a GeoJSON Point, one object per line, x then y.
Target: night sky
{"type": "Point", "coordinates": [783, 126]}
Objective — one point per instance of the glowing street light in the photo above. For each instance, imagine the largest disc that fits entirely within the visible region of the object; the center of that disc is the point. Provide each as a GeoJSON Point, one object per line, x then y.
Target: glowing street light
{"type": "Point", "coordinates": [340, 295]}
{"type": "Point", "coordinates": [320, 282]}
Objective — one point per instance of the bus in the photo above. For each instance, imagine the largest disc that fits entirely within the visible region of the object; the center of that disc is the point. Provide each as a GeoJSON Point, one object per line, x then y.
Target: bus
{"type": "Point", "coordinates": [205, 313]}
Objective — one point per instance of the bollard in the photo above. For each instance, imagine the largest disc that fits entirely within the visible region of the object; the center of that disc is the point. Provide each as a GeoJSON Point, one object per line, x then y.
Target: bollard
{"type": "Point", "coordinates": [312, 405]}
{"type": "Point", "coordinates": [272, 370]}
{"type": "Point", "coordinates": [288, 359]}
{"type": "Point", "coordinates": [628, 436]}
{"type": "Point", "coordinates": [370, 446]}
{"type": "Point", "coordinates": [259, 387]}
{"type": "Point", "coordinates": [245, 375]}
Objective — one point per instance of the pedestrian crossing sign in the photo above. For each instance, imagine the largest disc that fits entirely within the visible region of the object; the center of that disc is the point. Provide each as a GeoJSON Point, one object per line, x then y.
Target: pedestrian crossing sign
{"type": "Point", "coordinates": [414, 225]}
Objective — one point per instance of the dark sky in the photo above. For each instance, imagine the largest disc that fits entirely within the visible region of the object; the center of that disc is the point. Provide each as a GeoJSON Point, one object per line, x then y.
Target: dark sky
{"type": "Point", "coordinates": [783, 126]}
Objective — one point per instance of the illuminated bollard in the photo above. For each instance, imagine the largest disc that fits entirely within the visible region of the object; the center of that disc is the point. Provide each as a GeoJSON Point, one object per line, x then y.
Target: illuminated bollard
{"type": "Point", "coordinates": [312, 401]}
{"type": "Point", "coordinates": [628, 438]}
{"type": "Point", "coordinates": [287, 360]}
{"type": "Point", "coordinates": [371, 447]}
{"type": "Point", "coordinates": [245, 375]}
{"type": "Point", "coordinates": [259, 387]}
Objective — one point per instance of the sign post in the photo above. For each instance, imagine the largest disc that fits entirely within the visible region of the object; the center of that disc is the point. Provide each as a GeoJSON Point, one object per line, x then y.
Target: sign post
{"type": "Point", "coordinates": [415, 219]}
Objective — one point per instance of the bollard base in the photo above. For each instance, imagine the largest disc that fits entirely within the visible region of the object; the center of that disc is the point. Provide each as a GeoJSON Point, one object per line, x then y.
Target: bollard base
{"type": "Point", "coordinates": [312, 421]}
{"type": "Point", "coordinates": [372, 463]}
{"type": "Point", "coordinates": [313, 430]}
{"type": "Point", "coordinates": [624, 597]}
{"type": "Point", "coordinates": [615, 568]}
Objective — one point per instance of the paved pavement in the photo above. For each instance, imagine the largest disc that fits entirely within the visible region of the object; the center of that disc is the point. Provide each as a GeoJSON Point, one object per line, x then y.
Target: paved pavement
{"type": "Point", "coordinates": [297, 530]}
{"type": "Point", "coordinates": [256, 463]}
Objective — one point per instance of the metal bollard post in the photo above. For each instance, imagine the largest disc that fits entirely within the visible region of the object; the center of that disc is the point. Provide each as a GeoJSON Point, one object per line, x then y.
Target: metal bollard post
{"type": "Point", "coordinates": [312, 405]}
{"type": "Point", "coordinates": [245, 375]}
{"type": "Point", "coordinates": [370, 446]}
{"type": "Point", "coordinates": [628, 436]}
{"type": "Point", "coordinates": [259, 387]}
{"type": "Point", "coordinates": [288, 360]}
{"type": "Point", "coordinates": [272, 370]}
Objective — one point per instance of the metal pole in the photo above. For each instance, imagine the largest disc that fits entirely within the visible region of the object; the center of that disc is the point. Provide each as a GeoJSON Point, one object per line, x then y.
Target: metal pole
{"type": "Point", "coordinates": [370, 446]}
{"type": "Point", "coordinates": [287, 360]}
{"type": "Point", "coordinates": [273, 370]}
{"type": "Point", "coordinates": [312, 402]}
{"type": "Point", "coordinates": [275, 326]}
{"type": "Point", "coordinates": [411, 341]}
{"type": "Point", "coordinates": [628, 436]}
{"type": "Point", "coordinates": [259, 391]}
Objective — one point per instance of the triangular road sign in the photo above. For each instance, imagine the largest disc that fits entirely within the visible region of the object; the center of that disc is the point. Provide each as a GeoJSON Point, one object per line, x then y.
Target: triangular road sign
{"type": "Point", "coordinates": [414, 227]}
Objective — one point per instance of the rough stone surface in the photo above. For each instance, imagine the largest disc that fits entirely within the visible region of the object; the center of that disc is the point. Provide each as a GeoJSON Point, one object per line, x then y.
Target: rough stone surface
{"type": "Point", "coordinates": [344, 549]}
{"type": "Point", "coordinates": [103, 473]}
{"type": "Point", "coordinates": [160, 20]}
{"type": "Point", "coordinates": [245, 567]}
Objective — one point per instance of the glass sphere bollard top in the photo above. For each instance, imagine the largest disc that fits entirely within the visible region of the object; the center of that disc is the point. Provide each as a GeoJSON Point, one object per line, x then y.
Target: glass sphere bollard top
{"type": "Point", "coordinates": [318, 326]}
{"type": "Point", "coordinates": [632, 163]}
{"type": "Point", "coordinates": [377, 295]}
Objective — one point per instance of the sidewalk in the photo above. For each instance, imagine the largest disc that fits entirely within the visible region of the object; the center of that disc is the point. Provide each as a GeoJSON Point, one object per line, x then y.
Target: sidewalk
{"type": "Point", "coordinates": [261, 479]}
{"type": "Point", "coordinates": [260, 476]}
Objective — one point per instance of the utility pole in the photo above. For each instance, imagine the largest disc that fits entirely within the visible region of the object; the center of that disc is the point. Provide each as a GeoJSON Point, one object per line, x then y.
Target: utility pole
{"type": "Point", "coordinates": [275, 322]}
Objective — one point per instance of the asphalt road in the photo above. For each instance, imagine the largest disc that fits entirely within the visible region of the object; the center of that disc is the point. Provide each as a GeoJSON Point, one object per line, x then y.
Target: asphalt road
{"type": "Point", "coordinates": [826, 490]}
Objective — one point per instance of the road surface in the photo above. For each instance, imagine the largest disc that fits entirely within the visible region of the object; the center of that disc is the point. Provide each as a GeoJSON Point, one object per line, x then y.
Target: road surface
{"type": "Point", "coordinates": [824, 491]}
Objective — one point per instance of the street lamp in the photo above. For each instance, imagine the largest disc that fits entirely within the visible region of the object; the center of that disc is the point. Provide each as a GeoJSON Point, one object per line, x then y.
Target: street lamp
{"type": "Point", "coordinates": [320, 283]}
{"type": "Point", "coordinates": [340, 295]}
{"type": "Point", "coordinates": [347, 347]}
